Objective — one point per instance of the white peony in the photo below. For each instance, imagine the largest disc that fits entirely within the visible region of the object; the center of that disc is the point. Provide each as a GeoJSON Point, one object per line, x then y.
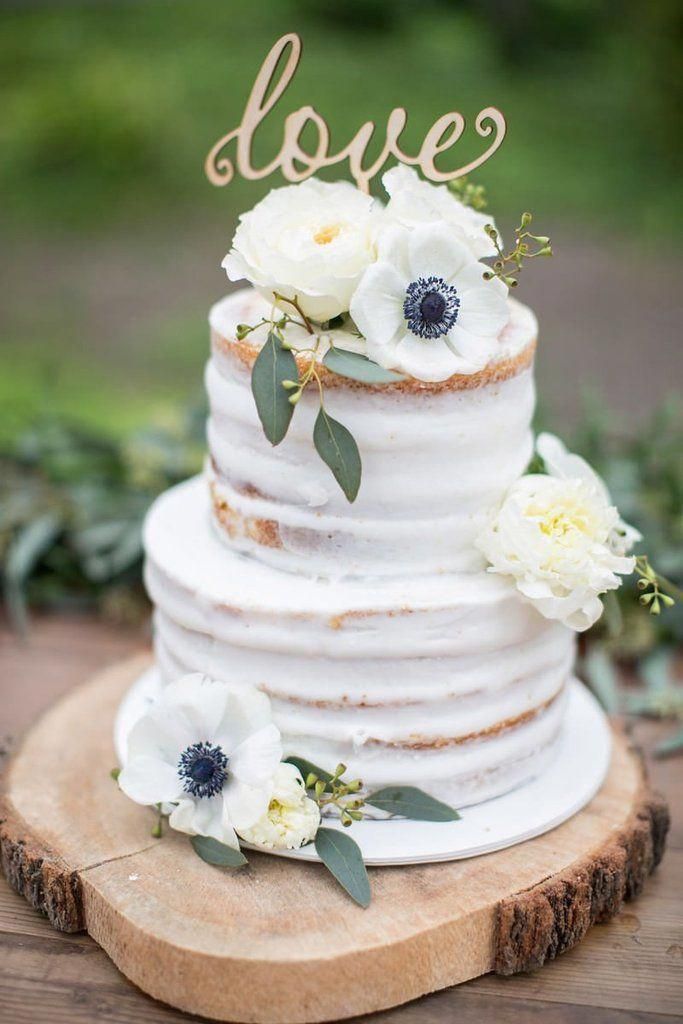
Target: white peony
{"type": "Point", "coordinates": [565, 465]}
{"type": "Point", "coordinates": [414, 201]}
{"type": "Point", "coordinates": [312, 241]}
{"type": "Point", "coordinates": [291, 819]}
{"type": "Point", "coordinates": [424, 306]}
{"type": "Point", "coordinates": [211, 750]}
{"type": "Point", "coordinates": [553, 536]}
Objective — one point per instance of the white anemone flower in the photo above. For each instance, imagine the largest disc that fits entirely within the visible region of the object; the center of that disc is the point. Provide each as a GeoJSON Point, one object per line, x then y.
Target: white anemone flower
{"type": "Point", "coordinates": [413, 201]}
{"type": "Point", "coordinates": [424, 307]}
{"type": "Point", "coordinates": [564, 464]}
{"type": "Point", "coordinates": [209, 749]}
{"type": "Point", "coordinates": [291, 819]}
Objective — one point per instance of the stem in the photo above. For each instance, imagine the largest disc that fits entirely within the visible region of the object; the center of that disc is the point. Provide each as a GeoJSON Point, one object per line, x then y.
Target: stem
{"type": "Point", "coordinates": [295, 302]}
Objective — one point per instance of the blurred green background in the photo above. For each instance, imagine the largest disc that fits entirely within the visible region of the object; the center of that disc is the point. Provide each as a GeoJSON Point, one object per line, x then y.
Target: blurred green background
{"type": "Point", "coordinates": [113, 236]}
{"type": "Point", "coordinates": [112, 241]}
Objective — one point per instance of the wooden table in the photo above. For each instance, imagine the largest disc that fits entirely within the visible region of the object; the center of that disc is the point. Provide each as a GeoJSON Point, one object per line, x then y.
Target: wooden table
{"type": "Point", "coordinates": [628, 970]}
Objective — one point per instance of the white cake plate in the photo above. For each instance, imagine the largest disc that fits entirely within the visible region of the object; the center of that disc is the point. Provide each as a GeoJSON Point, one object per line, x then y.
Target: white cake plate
{"type": "Point", "coordinates": [566, 785]}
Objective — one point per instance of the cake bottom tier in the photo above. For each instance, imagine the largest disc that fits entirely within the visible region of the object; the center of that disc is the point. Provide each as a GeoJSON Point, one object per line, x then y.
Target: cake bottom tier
{"type": "Point", "coordinates": [447, 682]}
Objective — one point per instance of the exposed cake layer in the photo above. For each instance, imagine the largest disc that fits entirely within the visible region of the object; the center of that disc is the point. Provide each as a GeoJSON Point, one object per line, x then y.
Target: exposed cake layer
{"type": "Point", "coordinates": [450, 682]}
{"type": "Point", "coordinates": [435, 459]}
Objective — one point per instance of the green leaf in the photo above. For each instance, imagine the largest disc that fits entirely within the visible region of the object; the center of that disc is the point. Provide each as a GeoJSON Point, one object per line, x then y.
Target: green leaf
{"type": "Point", "coordinates": [338, 450]}
{"type": "Point", "coordinates": [657, 670]}
{"type": "Point", "coordinates": [216, 853]}
{"type": "Point", "coordinates": [602, 678]}
{"type": "Point", "coordinates": [669, 746]}
{"type": "Point", "coordinates": [358, 367]}
{"type": "Point", "coordinates": [25, 550]}
{"type": "Point", "coordinates": [307, 768]}
{"type": "Point", "coordinates": [412, 803]}
{"type": "Point", "coordinates": [274, 364]}
{"type": "Point", "coordinates": [343, 859]}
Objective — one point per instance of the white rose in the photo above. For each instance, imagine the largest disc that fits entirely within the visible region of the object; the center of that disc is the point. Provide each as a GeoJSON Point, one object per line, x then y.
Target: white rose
{"type": "Point", "coordinates": [291, 819]}
{"type": "Point", "coordinates": [312, 241]}
{"type": "Point", "coordinates": [424, 306]}
{"type": "Point", "coordinates": [552, 536]}
{"type": "Point", "coordinates": [414, 201]}
{"type": "Point", "coordinates": [210, 750]}
{"type": "Point", "coordinates": [563, 464]}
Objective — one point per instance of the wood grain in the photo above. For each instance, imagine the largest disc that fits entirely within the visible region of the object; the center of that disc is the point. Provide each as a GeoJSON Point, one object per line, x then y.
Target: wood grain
{"type": "Point", "coordinates": [440, 924]}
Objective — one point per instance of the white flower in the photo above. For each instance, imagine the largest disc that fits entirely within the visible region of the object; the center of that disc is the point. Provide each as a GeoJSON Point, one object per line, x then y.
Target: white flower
{"type": "Point", "coordinates": [552, 535]}
{"type": "Point", "coordinates": [292, 818]}
{"type": "Point", "coordinates": [414, 201]}
{"type": "Point", "coordinates": [424, 306]}
{"type": "Point", "coordinates": [563, 464]}
{"type": "Point", "coordinates": [312, 241]}
{"type": "Point", "coordinates": [210, 749]}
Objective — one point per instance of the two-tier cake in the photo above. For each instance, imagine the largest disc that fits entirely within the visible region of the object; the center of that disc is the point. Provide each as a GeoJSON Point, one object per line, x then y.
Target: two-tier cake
{"type": "Point", "coordinates": [383, 629]}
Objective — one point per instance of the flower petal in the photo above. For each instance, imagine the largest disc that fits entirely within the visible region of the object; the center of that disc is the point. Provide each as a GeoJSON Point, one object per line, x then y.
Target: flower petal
{"type": "Point", "coordinates": [201, 700]}
{"type": "Point", "coordinates": [245, 804]}
{"type": "Point", "coordinates": [435, 250]}
{"type": "Point", "coordinates": [377, 303]}
{"type": "Point", "coordinates": [475, 350]}
{"type": "Point", "coordinates": [483, 312]}
{"type": "Point", "coordinates": [427, 360]}
{"type": "Point", "coordinates": [205, 817]}
{"type": "Point", "coordinates": [150, 780]}
{"type": "Point", "coordinates": [247, 711]}
{"type": "Point", "coordinates": [255, 760]}
{"type": "Point", "coordinates": [161, 733]}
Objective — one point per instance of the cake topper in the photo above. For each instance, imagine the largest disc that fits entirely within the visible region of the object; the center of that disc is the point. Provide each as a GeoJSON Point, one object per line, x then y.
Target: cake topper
{"type": "Point", "coordinates": [297, 164]}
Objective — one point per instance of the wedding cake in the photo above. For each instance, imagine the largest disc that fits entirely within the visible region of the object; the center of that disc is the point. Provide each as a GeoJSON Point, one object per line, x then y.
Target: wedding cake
{"type": "Point", "coordinates": [416, 623]}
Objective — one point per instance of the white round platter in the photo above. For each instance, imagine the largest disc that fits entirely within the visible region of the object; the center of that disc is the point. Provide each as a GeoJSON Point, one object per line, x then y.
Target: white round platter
{"type": "Point", "coordinates": [566, 785]}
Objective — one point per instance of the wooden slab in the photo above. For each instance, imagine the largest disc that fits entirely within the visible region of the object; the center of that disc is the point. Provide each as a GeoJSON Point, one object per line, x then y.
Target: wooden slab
{"type": "Point", "coordinates": [278, 942]}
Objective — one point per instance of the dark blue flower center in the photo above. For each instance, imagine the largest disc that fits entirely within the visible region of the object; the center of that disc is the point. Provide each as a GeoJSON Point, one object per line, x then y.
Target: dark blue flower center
{"type": "Point", "coordinates": [203, 769]}
{"type": "Point", "coordinates": [430, 307]}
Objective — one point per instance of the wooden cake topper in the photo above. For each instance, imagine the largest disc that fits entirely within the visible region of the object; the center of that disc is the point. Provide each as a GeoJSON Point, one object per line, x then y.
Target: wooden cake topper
{"type": "Point", "coordinates": [296, 164]}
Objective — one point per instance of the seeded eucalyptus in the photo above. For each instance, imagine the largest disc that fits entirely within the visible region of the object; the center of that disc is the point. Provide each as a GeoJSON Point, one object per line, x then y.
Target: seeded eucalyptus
{"type": "Point", "coordinates": [526, 247]}
{"type": "Point", "coordinates": [340, 854]}
{"type": "Point", "coordinates": [468, 193]}
{"type": "Point", "coordinates": [654, 587]}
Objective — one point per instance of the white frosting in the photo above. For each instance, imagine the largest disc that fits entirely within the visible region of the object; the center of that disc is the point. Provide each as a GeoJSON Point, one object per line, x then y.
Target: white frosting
{"type": "Point", "coordinates": [373, 627]}
{"type": "Point", "coordinates": [433, 465]}
{"type": "Point", "coordinates": [367, 673]}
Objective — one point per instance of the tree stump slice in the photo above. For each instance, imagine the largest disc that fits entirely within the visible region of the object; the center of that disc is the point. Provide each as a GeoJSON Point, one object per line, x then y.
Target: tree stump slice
{"type": "Point", "coordinates": [279, 942]}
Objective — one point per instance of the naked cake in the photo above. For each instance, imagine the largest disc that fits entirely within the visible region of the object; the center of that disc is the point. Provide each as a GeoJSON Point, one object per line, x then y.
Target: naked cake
{"type": "Point", "coordinates": [417, 623]}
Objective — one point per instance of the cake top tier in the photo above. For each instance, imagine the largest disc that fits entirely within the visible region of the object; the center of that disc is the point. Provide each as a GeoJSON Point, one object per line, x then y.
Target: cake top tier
{"type": "Point", "coordinates": [356, 294]}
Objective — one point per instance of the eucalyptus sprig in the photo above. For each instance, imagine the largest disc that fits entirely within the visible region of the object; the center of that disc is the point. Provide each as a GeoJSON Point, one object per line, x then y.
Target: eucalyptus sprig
{"type": "Point", "coordinates": [278, 385]}
{"type": "Point", "coordinates": [468, 193]}
{"type": "Point", "coordinates": [512, 261]}
{"type": "Point", "coordinates": [340, 854]}
{"type": "Point", "coordinates": [333, 791]}
{"type": "Point", "coordinates": [657, 590]}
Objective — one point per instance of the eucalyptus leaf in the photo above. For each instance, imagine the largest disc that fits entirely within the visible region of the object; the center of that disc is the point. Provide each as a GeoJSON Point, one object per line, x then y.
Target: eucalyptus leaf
{"type": "Point", "coordinates": [657, 670]}
{"type": "Point", "coordinates": [342, 857]}
{"type": "Point", "coordinates": [25, 550]}
{"type": "Point", "coordinates": [308, 768]}
{"type": "Point", "coordinates": [338, 450]}
{"type": "Point", "coordinates": [413, 803]}
{"type": "Point", "coordinates": [358, 367]}
{"type": "Point", "coordinates": [218, 854]}
{"type": "Point", "coordinates": [274, 364]}
{"type": "Point", "coordinates": [601, 675]}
